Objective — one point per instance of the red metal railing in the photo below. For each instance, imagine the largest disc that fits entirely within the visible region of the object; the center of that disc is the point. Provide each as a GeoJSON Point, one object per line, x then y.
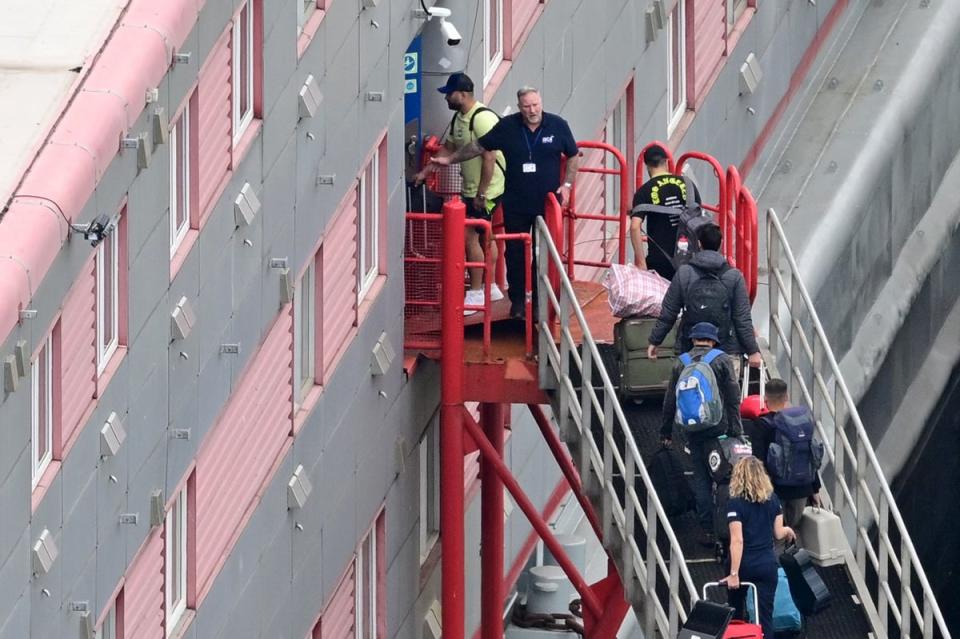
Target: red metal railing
{"type": "Point", "coordinates": [720, 209]}
{"type": "Point", "coordinates": [424, 299]}
{"type": "Point", "coordinates": [572, 213]}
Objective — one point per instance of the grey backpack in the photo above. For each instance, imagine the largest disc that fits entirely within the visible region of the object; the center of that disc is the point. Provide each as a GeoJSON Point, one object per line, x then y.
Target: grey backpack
{"type": "Point", "coordinates": [692, 218]}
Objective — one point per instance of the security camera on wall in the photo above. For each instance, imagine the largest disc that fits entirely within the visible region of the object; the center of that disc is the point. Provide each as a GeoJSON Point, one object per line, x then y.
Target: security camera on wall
{"type": "Point", "coordinates": [450, 33]}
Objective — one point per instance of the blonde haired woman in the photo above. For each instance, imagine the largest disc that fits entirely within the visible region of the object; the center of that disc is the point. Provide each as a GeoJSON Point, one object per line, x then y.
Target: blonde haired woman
{"type": "Point", "coordinates": [755, 517]}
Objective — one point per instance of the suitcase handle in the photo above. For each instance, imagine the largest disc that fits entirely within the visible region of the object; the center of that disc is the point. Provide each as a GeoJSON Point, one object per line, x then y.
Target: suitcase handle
{"type": "Point", "coordinates": [747, 584]}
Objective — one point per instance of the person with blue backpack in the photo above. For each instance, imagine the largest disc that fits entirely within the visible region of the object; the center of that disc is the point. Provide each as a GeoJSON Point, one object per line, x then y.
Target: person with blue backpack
{"type": "Point", "coordinates": [703, 402]}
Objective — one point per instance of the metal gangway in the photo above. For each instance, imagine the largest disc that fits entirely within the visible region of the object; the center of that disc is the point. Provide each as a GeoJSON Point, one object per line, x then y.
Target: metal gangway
{"type": "Point", "coordinates": [891, 585]}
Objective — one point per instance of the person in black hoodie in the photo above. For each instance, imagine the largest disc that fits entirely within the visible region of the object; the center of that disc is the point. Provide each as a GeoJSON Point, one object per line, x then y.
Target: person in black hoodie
{"type": "Point", "coordinates": [708, 290]}
{"type": "Point", "coordinates": [699, 443]}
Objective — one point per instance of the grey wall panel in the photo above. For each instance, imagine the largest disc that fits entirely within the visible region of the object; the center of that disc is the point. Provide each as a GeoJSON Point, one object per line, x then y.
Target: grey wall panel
{"type": "Point", "coordinates": [15, 575]}
{"type": "Point", "coordinates": [150, 270]}
{"type": "Point", "coordinates": [147, 425]}
{"type": "Point", "coordinates": [45, 607]}
{"type": "Point", "coordinates": [16, 621]}
{"type": "Point", "coordinates": [15, 462]}
{"type": "Point", "coordinates": [15, 502]}
{"type": "Point", "coordinates": [81, 584]}
{"type": "Point", "coordinates": [112, 549]}
{"type": "Point", "coordinates": [144, 479]}
{"type": "Point", "coordinates": [279, 51]}
{"type": "Point", "coordinates": [307, 580]}
{"type": "Point", "coordinates": [278, 126]}
{"type": "Point", "coordinates": [79, 470]}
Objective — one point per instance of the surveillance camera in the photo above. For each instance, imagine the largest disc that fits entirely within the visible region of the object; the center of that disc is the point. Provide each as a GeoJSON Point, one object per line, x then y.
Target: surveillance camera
{"type": "Point", "coordinates": [450, 33]}
{"type": "Point", "coordinates": [97, 230]}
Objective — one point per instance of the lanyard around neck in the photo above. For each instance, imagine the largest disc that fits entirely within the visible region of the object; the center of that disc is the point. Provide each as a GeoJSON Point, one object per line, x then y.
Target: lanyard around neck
{"type": "Point", "coordinates": [526, 138]}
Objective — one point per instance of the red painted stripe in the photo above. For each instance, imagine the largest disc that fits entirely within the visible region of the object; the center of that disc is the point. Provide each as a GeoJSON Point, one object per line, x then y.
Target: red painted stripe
{"type": "Point", "coordinates": [796, 80]}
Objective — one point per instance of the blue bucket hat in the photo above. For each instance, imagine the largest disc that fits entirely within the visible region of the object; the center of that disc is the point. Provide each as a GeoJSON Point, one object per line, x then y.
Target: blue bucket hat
{"type": "Point", "coordinates": [705, 330]}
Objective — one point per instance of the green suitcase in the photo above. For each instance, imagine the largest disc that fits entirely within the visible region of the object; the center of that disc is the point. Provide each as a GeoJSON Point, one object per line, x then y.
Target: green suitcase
{"type": "Point", "coordinates": [639, 375]}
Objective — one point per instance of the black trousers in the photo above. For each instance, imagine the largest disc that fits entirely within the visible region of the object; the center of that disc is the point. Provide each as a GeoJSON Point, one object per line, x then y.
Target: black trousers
{"type": "Point", "coordinates": [514, 222]}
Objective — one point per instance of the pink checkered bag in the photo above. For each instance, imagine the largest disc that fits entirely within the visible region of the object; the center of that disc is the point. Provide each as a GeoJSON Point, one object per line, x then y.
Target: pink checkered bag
{"type": "Point", "coordinates": [631, 291]}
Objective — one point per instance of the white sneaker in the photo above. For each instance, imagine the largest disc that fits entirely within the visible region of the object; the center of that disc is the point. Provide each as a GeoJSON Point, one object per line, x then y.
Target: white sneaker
{"type": "Point", "coordinates": [472, 298]}
{"type": "Point", "coordinates": [495, 293]}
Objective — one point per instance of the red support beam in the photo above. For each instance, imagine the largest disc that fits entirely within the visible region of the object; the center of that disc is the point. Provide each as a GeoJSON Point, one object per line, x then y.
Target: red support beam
{"type": "Point", "coordinates": [491, 528]}
{"type": "Point", "coordinates": [566, 466]}
{"type": "Point", "coordinates": [452, 566]}
{"type": "Point", "coordinates": [591, 603]}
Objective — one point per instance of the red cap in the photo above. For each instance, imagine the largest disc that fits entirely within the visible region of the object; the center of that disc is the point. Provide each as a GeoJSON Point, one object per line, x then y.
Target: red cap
{"type": "Point", "coordinates": [752, 407]}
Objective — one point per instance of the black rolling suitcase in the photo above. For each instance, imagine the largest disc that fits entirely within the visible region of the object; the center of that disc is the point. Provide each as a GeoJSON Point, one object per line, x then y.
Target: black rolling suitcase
{"type": "Point", "coordinates": [809, 592]}
{"type": "Point", "coordinates": [670, 482]}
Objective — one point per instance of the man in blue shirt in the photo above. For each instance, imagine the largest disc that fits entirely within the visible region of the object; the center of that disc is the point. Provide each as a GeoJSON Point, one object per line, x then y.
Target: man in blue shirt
{"type": "Point", "coordinates": [533, 143]}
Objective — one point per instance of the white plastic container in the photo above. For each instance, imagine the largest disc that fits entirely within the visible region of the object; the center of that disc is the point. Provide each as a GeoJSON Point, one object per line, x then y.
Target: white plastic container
{"type": "Point", "coordinates": [821, 534]}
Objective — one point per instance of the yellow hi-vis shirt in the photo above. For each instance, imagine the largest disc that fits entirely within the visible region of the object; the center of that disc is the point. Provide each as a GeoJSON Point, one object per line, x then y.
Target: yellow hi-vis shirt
{"type": "Point", "coordinates": [460, 136]}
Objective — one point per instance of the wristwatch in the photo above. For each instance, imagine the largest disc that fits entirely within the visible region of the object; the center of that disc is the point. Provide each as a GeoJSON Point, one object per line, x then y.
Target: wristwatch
{"type": "Point", "coordinates": [567, 185]}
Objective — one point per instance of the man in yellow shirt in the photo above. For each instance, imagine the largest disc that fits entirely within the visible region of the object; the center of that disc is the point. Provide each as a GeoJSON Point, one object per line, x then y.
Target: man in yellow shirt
{"type": "Point", "coordinates": [483, 177]}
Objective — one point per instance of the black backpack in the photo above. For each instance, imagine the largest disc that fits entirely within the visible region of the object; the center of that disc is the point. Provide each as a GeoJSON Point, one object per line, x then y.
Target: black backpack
{"type": "Point", "coordinates": [473, 117]}
{"type": "Point", "coordinates": [691, 219]}
{"type": "Point", "coordinates": [708, 300]}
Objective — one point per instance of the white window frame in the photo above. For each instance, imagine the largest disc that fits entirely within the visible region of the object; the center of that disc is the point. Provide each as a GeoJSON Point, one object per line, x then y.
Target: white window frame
{"type": "Point", "coordinates": [491, 63]}
{"type": "Point", "coordinates": [108, 627]}
{"type": "Point", "coordinates": [176, 557]}
{"type": "Point", "coordinates": [367, 273]}
{"type": "Point", "coordinates": [365, 575]}
{"type": "Point", "coordinates": [39, 463]}
{"type": "Point", "coordinates": [429, 454]}
{"type": "Point", "coordinates": [179, 134]}
{"type": "Point", "coordinates": [105, 316]}
{"type": "Point", "coordinates": [240, 31]}
{"type": "Point", "coordinates": [305, 333]}
{"type": "Point", "coordinates": [305, 9]}
{"type": "Point", "coordinates": [676, 114]}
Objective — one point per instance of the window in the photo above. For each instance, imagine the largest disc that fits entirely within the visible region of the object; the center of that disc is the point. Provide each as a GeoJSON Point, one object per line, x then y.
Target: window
{"type": "Point", "coordinates": [175, 567]}
{"type": "Point", "coordinates": [41, 433]}
{"type": "Point", "coordinates": [369, 583]}
{"type": "Point", "coordinates": [242, 85]}
{"type": "Point", "coordinates": [677, 73]}
{"type": "Point", "coordinates": [368, 209]}
{"type": "Point", "coordinates": [493, 37]}
{"type": "Point", "coordinates": [111, 627]}
{"type": "Point", "coordinates": [304, 333]}
{"type": "Point", "coordinates": [429, 453]}
{"type": "Point", "coordinates": [108, 277]}
{"type": "Point", "coordinates": [179, 179]}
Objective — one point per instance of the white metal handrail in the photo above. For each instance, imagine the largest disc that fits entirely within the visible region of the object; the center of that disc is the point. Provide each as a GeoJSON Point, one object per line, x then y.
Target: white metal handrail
{"type": "Point", "coordinates": [852, 476]}
{"type": "Point", "coordinates": [650, 568]}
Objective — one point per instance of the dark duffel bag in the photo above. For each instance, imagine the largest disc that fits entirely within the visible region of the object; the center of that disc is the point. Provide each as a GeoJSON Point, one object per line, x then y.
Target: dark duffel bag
{"type": "Point", "coordinates": [809, 592]}
{"type": "Point", "coordinates": [670, 482]}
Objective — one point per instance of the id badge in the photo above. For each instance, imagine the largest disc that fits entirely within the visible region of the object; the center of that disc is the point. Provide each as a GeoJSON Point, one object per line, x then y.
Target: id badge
{"type": "Point", "coordinates": [529, 167]}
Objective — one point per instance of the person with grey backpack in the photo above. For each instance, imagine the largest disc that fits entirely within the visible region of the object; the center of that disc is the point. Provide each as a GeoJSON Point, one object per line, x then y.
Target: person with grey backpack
{"type": "Point", "coordinates": [702, 402]}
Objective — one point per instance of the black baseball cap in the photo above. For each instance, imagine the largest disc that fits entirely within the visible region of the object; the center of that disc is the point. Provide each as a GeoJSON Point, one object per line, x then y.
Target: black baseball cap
{"type": "Point", "coordinates": [457, 82]}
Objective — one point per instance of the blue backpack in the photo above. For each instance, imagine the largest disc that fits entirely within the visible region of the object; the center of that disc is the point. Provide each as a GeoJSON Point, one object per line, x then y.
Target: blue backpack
{"type": "Point", "coordinates": [699, 405]}
{"type": "Point", "coordinates": [795, 455]}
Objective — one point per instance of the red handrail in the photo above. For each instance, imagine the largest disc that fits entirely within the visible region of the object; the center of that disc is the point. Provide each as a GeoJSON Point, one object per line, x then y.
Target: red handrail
{"type": "Point", "coordinates": [747, 216]}
{"type": "Point", "coordinates": [671, 165]}
{"type": "Point", "coordinates": [720, 208]}
{"type": "Point", "coordinates": [623, 207]}
{"type": "Point", "coordinates": [737, 242]}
